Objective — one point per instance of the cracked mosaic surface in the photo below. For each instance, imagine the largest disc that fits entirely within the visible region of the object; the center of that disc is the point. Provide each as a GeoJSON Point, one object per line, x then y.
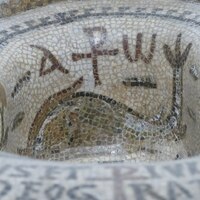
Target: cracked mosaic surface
{"type": "Point", "coordinates": [107, 83]}
{"type": "Point", "coordinates": [101, 82]}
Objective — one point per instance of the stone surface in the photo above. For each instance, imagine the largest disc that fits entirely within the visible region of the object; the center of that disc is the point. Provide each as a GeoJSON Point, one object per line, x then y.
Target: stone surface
{"type": "Point", "coordinates": [99, 82]}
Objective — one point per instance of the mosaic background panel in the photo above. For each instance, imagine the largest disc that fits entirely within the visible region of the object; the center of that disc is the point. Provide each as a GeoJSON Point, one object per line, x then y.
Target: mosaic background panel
{"type": "Point", "coordinates": [112, 84]}
{"type": "Point", "coordinates": [92, 81]}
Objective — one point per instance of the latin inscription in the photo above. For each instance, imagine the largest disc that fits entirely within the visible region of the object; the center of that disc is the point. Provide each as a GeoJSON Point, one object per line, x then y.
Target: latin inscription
{"type": "Point", "coordinates": [137, 182]}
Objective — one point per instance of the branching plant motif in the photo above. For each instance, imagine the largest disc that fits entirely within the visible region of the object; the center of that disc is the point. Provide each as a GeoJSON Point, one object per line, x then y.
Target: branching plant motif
{"type": "Point", "coordinates": [177, 62]}
{"type": "Point", "coordinates": [178, 59]}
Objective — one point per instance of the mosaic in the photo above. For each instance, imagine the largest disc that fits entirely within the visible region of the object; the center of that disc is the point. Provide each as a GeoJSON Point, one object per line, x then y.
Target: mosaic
{"type": "Point", "coordinates": [100, 84]}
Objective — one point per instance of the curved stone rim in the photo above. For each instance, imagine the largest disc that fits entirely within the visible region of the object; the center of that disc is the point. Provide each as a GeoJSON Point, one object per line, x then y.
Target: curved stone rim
{"type": "Point", "coordinates": [182, 175]}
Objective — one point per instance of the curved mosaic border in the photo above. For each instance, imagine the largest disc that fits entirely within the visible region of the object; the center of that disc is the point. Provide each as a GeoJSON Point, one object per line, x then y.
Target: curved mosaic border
{"type": "Point", "coordinates": [167, 180]}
